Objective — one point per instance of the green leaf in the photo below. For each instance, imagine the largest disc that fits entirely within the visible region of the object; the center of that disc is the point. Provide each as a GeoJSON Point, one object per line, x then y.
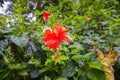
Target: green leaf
{"type": "Point", "coordinates": [69, 70]}
{"type": "Point", "coordinates": [61, 78]}
{"type": "Point", "coordinates": [3, 44]}
{"type": "Point", "coordinates": [83, 76]}
{"type": "Point", "coordinates": [61, 58]}
{"type": "Point", "coordinates": [17, 66]}
{"type": "Point", "coordinates": [48, 61]}
{"type": "Point", "coordinates": [37, 12]}
{"type": "Point", "coordinates": [21, 42]}
{"type": "Point", "coordinates": [79, 73]}
{"type": "Point", "coordinates": [63, 1]}
{"type": "Point", "coordinates": [44, 69]}
{"type": "Point", "coordinates": [87, 56]}
{"type": "Point", "coordinates": [4, 75]}
{"type": "Point", "coordinates": [1, 70]}
{"type": "Point", "coordinates": [95, 65]}
{"type": "Point", "coordinates": [77, 57]}
{"type": "Point", "coordinates": [34, 62]}
{"type": "Point", "coordinates": [47, 78]}
{"type": "Point", "coordinates": [5, 32]}
{"type": "Point", "coordinates": [22, 72]}
{"type": "Point", "coordinates": [74, 51]}
{"type": "Point", "coordinates": [94, 74]}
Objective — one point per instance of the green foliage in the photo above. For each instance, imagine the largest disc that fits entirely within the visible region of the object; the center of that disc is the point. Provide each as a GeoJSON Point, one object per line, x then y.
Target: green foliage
{"type": "Point", "coordinates": [24, 55]}
{"type": "Point", "coordinates": [96, 75]}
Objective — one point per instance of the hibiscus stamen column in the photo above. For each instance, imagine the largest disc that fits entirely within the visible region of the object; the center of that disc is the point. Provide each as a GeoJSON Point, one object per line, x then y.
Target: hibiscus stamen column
{"type": "Point", "coordinates": [56, 55]}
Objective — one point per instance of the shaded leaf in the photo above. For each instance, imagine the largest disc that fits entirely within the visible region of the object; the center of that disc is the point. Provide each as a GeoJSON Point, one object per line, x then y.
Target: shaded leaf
{"type": "Point", "coordinates": [3, 44]}
{"type": "Point", "coordinates": [17, 66]}
{"type": "Point", "coordinates": [21, 42]}
{"type": "Point", "coordinates": [22, 72]}
{"type": "Point", "coordinates": [83, 76]}
{"type": "Point", "coordinates": [4, 75]}
{"type": "Point", "coordinates": [47, 78]}
{"type": "Point", "coordinates": [69, 70]}
{"type": "Point", "coordinates": [61, 78]}
{"type": "Point", "coordinates": [94, 74]}
{"type": "Point", "coordinates": [34, 74]}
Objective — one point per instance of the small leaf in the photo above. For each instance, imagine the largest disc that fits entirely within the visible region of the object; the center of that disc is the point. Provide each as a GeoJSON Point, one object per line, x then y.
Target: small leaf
{"type": "Point", "coordinates": [61, 78]}
{"type": "Point", "coordinates": [37, 12]}
{"type": "Point", "coordinates": [61, 58]}
{"type": "Point", "coordinates": [74, 51]}
{"type": "Point", "coordinates": [48, 61]}
{"type": "Point", "coordinates": [87, 56]}
{"type": "Point", "coordinates": [44, 69]}
{"type": "Point", "coordinates": [34, 62]}
{"type": "Point", "coordinates": [77, 57]}
{"type": "Point", "coordinates": [47, 78]}
{"type": "Point", "coordinates": [95, 65]}
{"type": "Point", "coordinates": [22, 73]}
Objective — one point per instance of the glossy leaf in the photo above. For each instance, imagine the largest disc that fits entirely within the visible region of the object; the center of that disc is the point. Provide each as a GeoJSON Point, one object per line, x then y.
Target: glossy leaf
{"type": "Point", "coordinates": [95, 65]}
{"type": "Point", "coordinates": [22, 72]}
{"type": "Point", "coordinates": [69, 70]}
{"type": "Point", "coordinates": [94, 74]}
{"type": "Point", "coordinates": [47, 78]}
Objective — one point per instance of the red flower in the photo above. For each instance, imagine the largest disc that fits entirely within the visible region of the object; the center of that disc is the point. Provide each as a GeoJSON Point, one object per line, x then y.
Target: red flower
{"type": "Point", "coordinates": [53, 38]}
{"type": "Point", "coordinates": [46, 16]}
{"type": "Point", "coordinates": [88, 17]}
{"type": "Point", "coordinates": [56, 56]}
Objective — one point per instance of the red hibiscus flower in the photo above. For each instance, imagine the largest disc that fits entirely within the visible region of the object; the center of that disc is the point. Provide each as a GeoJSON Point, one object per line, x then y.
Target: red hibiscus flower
{"type": "Point", "coordinates": [53, 38]}
{"type": "Point", "coordinates": [88, 17]}
{"type": "Point", "coordinates": [46, 16]}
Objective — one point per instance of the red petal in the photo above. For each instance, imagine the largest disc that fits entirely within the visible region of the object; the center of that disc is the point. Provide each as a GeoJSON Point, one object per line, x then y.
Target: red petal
{"type": "Point", "coordinates": [58, 29]}
{"type": "Point", "coordinates": [51, 40]}
{"type": "Point", "coordinates": [65, 38]}
{"type": "Point", "coordinates": [46, 16]}
{"type": "Point", "coordinates": [61, 34]}
{"type": "Point", "coordinates": [48, 35]}
{"type": "Point", "coordinates": [53, 44]}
